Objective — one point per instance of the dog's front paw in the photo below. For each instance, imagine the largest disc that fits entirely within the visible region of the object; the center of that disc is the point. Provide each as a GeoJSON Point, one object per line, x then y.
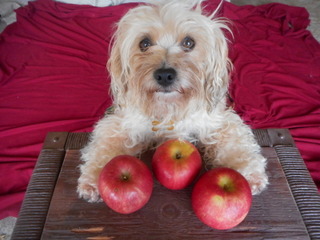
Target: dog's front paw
{"type": "Point", "coordinates": [258, 182]}
{"type": "Point", "coordinates": [88, 192]}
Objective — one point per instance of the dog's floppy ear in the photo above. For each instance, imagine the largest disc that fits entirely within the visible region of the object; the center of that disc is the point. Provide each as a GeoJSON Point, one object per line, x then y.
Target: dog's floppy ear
{"type": "Point", "coordinates": [218, 67]}
{"type": "Point", "coordinates": [119, 84]}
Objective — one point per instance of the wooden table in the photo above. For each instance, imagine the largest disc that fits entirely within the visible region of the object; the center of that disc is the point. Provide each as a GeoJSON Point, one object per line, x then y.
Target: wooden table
{"type": "Point", "coordinates": [288, 209]}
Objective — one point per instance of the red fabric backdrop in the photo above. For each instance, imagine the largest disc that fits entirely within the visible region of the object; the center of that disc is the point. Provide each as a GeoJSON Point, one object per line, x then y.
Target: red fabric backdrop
{"type": "Point", "coordinates": [276, 82]}
{"type": "Point", "coordinates": [53, 78]}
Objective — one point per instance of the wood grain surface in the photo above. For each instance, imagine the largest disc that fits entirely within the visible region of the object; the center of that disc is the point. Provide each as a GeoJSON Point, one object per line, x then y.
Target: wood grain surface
{"type": "Point", "coordinates": [168, 214]}
{"type": "Point", "coordinates": [288, 209]}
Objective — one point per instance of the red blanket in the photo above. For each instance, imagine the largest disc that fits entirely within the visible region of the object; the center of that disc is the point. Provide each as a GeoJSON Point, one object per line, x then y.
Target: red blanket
{"type": "Point", "coordinates": [276, 82]}
{"type": "Point", "coordinates": [53, 78]}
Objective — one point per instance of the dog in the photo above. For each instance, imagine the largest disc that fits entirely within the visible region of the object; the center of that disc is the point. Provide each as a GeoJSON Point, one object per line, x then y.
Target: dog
{"type": "Point", "coordinates": [170, 71]}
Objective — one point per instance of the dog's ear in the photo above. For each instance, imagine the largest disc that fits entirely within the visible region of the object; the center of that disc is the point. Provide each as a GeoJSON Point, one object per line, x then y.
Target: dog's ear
{"type": "Point", "coordinates": [119, 84]}
{"type": "Point", "coordinates": [217, 70]}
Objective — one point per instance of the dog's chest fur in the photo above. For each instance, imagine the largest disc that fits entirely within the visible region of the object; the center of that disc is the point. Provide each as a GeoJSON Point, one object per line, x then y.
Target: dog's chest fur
{"type": "Point", "coordinates": [198, 126]}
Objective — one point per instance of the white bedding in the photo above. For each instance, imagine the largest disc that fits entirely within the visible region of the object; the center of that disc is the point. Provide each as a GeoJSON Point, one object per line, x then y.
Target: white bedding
{"type": "Point", "coordinates": [100, 3]}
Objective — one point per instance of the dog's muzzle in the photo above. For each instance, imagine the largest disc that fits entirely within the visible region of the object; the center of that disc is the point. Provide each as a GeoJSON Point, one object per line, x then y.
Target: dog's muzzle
{"type": "Point", "coordinates": [165, 76]}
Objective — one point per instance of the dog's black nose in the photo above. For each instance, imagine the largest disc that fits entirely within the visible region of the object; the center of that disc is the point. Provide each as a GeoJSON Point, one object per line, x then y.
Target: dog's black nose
{"type": "Point", "coordinates": [165, 76]}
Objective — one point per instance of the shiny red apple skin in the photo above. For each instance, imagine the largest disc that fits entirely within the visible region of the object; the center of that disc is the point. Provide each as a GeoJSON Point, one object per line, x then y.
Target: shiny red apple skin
{"type": "Point", "coordinates": [125, 184]}
{"type": "Point", "coordinates": [176, 163]}
{"type": "Point", "coordinates": [221, 198]}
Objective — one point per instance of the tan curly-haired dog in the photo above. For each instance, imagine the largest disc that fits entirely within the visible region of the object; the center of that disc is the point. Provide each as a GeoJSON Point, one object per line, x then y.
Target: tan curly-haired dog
{"type": "Point", "coordinates": [169, 72]}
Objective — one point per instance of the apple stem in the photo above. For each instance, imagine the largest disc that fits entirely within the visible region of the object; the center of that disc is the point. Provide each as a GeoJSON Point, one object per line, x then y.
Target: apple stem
{"type": "Point", "coordinates": [125, 177]}
{"type": "Point", "coordinates": [178, 155]}
{"type": "Point", "coordinates": [226, 188]}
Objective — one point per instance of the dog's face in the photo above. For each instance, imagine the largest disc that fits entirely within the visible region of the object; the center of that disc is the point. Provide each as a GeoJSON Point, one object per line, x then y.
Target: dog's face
{"type": "Point", "coordinates": [169, 60]}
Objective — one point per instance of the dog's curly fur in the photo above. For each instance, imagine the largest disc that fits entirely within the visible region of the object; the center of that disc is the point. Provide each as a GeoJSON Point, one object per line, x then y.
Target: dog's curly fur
{"type": "Point", "coordinates": [191, 51]}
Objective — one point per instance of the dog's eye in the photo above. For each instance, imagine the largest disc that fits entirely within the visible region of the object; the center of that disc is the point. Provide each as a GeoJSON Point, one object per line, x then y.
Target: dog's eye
{"type": "Point", "coordinates": [145, 44]}
{"type": "Point", "coordinates": [188, 43]}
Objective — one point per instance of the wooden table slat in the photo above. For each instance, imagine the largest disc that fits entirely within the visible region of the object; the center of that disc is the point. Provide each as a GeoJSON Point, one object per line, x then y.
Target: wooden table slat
{"type": "Point", "coordinates": [35, 206]}
{"type": "Point", "coordinates": [302, 187]}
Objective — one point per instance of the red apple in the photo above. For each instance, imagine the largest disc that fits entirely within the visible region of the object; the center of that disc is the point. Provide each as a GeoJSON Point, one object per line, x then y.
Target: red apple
{"type": "Point", "coordinates": [221, 198]}
{"type": "Point", "coordinates": [125, 184]}
{"type": "Point", "coordinates": [176, 163]}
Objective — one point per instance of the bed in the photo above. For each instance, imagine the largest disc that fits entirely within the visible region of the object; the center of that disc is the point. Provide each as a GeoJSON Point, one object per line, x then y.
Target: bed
{"type": "Point", "coordinates": [53, 78]}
